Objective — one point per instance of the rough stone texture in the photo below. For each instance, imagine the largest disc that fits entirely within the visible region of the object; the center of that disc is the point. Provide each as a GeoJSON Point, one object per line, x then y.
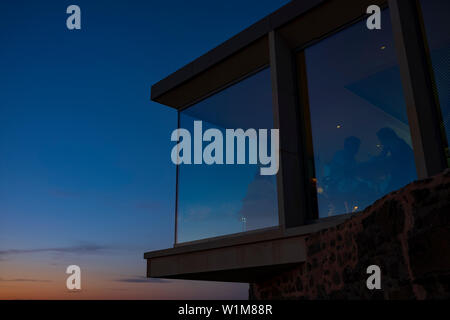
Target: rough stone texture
{"type": "Point", "coordinates": [406, 233]}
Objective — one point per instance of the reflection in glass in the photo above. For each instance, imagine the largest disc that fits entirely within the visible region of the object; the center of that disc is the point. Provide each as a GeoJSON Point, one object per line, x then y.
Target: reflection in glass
{"type": "Point", "coordinates": [215, 200]}
{"type": "Point", "coordinates": [437, 26]}
{"type": "Point", "coordinates": [361, 138]}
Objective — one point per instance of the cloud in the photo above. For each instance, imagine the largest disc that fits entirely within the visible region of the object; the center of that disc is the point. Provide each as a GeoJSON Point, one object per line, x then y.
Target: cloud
{"type": "Point", "coordinates": [77, 249]}
{"type": "Point", "coordinates": [197, 213]}
{"type": "Point", "coordinates": [23, 280]}
{"type": "Point", "coordinates": [260, 204]}
{"type": "Point", "coordinates": [64, 194]}
{"type": "Point", "coordinates": [140, 279]}
{"type": "Point", "coordinates": [149, 205]}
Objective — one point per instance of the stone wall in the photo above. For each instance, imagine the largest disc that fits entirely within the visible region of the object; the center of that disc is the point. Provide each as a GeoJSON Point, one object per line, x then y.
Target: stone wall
{"type": "Point", "coordinates": [406, 233]}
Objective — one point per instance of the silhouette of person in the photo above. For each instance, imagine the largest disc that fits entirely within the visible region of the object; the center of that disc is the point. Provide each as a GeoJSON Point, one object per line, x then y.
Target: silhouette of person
{"type": "Point", "coordinates": [341, 182]}
{"type": "Point", "coordinates": [397, 159]}
{"type": "Point", "coordinates": [343, 165]}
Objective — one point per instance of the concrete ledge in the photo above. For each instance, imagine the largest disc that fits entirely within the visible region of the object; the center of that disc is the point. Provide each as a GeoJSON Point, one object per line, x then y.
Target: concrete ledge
{"type": "Point", "coordinates": [236, 258]}
{"type": "Point", "coordinates": [239, 263]}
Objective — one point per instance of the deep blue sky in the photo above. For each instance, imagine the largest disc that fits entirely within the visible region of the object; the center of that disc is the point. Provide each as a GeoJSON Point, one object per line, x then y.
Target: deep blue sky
{"type": "Point", "coordinates": [85, 171]}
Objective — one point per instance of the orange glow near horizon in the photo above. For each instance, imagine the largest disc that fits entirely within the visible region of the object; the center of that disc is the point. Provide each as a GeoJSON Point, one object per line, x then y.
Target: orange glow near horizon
{"type": "Point", "coordinates": [50, 284]}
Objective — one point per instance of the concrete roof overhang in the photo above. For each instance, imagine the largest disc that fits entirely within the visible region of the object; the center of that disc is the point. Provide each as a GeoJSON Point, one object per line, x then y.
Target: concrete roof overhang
{"type": "Point", "coordinates": [229, 61]}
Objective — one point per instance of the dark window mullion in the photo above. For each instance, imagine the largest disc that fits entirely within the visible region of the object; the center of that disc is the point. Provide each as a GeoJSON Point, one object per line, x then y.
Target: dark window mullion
{"type": "Point", "coordinates": [422, 108]}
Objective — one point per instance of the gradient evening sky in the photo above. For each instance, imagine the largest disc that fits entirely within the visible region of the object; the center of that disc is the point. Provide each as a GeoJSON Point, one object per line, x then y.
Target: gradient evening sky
{"type": "Point", "coordinates": [85, 170]}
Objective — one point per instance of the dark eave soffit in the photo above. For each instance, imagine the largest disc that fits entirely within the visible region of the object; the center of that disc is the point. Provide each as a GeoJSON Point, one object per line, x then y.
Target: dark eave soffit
{"type": "Point", "coordinates": [228, 48]}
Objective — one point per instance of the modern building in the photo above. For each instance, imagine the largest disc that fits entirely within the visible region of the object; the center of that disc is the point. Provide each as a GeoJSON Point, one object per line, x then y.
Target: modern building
{"type": "Point", "coordinates": [361, 112]}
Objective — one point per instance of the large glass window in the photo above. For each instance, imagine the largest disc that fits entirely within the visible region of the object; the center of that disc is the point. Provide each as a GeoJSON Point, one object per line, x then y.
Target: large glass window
{"type": "Point", "coordinates": [215, 200]}
{"type": "Point", "coordinates": [361, 137]}
{"type": "Point", "coordinates": [437, 26]}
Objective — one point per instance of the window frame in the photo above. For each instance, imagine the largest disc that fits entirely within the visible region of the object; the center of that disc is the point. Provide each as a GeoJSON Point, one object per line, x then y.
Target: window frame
{"type": "Point", "coordinates": [423, 110]}
{"type": "Point", "coordinates": [192, 104]}
{"type": "Point", "coordinates": [312, 215]}
{"type": "Point", "coordinates": [417, 11]}
{"type": "Point", "coordinates": [297, 198]}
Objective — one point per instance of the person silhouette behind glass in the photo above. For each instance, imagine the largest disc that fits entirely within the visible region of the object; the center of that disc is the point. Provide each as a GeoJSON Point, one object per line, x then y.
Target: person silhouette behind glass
{"type": "Point", "coordinates": [341, 181]}
{"type": "Point", "coordinates": [397, 159]}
